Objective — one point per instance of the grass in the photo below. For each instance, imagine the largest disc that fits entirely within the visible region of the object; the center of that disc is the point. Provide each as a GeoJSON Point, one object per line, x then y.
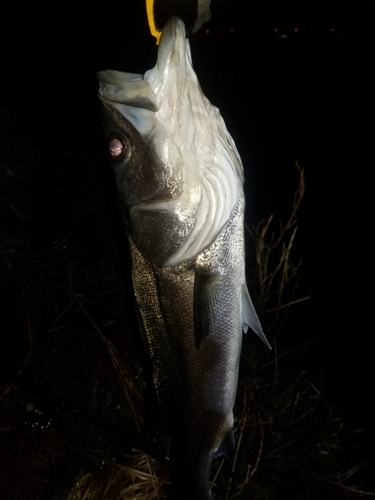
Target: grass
{"type": "Point", "coordinates": [72, 388]}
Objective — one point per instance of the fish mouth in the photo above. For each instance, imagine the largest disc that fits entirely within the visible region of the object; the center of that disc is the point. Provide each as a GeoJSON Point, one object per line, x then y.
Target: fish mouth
{"type": "Point", "coordinates": [141, 91]}
{"type": "Point", "coordinates": [138, 97]}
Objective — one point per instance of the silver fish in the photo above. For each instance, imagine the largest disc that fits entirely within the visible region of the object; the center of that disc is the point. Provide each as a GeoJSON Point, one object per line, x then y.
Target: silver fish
{"type": "Point", "coordinates": [180, 181]}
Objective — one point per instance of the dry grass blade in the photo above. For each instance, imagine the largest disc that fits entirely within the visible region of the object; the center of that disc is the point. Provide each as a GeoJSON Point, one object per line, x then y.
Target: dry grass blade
{"type": "Point", "coordinates": [276, 276]}
{"type": "Point", "coordinates": [337, 482]}
{"type": "Point", "coordinates": [30, 332]}
{"type": "Point", "coordinates": [146, 479]}
{"type": "Point", "coordinates": [133, 396]}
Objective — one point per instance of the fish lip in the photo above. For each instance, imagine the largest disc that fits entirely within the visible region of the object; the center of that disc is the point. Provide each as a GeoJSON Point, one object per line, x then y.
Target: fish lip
{"type": "Point", "coordinates": [126, 88]}
{"type": "Point", "coordinates": [172, 41]}
{"type": "Point", "coordinates": [174, 29]}
{"type": "Point", "coordinates": [173, 35]}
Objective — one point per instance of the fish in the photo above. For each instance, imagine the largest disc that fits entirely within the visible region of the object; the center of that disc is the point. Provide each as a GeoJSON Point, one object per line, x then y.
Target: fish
{"type": "Point", "coordinates": [179, 182]}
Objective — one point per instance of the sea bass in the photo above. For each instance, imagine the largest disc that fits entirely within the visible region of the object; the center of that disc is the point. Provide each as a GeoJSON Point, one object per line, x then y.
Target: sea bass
{"type": "Point", "coordinates": [179, 182]}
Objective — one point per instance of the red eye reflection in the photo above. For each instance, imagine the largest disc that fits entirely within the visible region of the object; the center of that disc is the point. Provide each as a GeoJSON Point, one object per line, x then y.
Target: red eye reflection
{"type": "Point", "coordinates": [118, 148]}
{"type": "Point", "coordinates": [115, 147]}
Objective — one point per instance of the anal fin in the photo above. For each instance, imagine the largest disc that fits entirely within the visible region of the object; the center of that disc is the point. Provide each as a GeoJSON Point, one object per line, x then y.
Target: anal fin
{"type": "Point", "coordinates": [227, 447]}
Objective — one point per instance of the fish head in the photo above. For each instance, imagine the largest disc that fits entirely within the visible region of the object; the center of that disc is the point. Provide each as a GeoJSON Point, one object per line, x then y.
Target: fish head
{"type": "Point", "coordinates": [177, 170]}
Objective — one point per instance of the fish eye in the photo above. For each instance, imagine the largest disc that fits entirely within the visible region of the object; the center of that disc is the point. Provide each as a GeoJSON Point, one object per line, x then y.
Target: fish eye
{"type": "Point", "coordinates": [119, 148]}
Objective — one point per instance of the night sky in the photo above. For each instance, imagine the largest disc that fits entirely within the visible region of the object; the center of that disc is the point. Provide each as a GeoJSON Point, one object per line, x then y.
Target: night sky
{"type": "Point", "coordinates": [309, 97]}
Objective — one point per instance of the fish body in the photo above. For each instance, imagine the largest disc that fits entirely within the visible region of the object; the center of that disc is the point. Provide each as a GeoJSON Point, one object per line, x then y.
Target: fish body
{"type": "Point", "coordinates": [179, 181]}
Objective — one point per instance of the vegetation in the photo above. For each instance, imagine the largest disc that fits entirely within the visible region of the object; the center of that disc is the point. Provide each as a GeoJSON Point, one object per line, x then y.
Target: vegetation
{"type": "Point", "coordinates": [73, 386]}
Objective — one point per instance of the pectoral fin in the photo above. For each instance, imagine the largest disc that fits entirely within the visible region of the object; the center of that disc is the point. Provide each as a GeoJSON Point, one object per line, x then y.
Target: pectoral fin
{"type": "Point", "coordinates": [206, 304]}
{"type": "Point", "coordinates": [250, 317]}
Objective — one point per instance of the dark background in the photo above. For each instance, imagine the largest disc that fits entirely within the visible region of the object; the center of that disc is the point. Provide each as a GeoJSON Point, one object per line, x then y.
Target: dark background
{"type": "Point", "coordinates": [286, 95]}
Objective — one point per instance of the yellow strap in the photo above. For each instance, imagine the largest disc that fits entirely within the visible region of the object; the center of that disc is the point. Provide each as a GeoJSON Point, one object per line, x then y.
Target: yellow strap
{"type": "Point", "coordinates": [151, 21]}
